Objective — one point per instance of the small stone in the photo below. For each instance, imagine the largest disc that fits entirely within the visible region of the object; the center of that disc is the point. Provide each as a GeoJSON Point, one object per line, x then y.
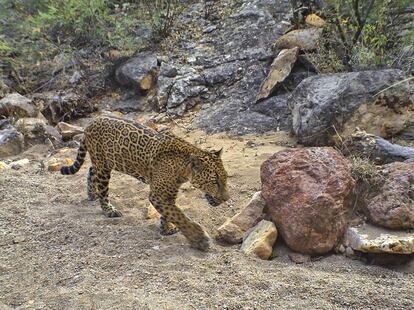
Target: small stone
{"type": "Point", "coordinates": [68, 131]}
{"type": "Point", "coordinates": [305, 39]}
{"type": "Point", "coordinates": [209, 29]}
{"type": "Point", "coordinates": [233, 230]}
{"type": "Point", "coordinates": [299, 258]}
{"type": "Point", "coordinates": [314, 20]}
{"type": "Point", "coordinates": [156, 248]}
{"type": "Point", "coordinates": [3, 166]}
{"type": "Point", "coordinates": [162, 128]}
{"type": "Point", "coordinates": [152, 213]}
{"type": "Point", "coordinates": [68, 162]}
{"type": "Point", "coordinates": [341, 249]}
{"type": "Point", "coordinates": [54, 167]}
{"type": "Point", "coordinates": [16, 165]}
{"type": "Point", "coordinates": [19, 239]}
{"type": "Point", "coordinates": [55, 164]}
{"type": "Point", "coordinates": [260, 240]}
{"type": "Point", "coordinates": [11, 140]}
{"type": "Point", "coordinates": [168, 71]}
{"type": "Point", "coordinates": [349, 252]}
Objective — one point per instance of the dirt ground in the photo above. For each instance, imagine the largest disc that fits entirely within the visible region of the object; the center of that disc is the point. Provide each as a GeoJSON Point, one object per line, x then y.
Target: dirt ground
{"type": "Point", "coordinates": [58, 251]}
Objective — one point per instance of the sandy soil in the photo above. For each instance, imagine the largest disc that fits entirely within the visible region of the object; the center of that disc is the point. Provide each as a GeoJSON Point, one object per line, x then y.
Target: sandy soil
{"type": "Point", "coordinates": [58, 251]}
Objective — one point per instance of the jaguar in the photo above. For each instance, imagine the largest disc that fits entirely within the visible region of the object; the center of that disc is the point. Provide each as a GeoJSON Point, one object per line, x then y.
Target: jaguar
{"type": "Point", "coordinates": [160, 159]}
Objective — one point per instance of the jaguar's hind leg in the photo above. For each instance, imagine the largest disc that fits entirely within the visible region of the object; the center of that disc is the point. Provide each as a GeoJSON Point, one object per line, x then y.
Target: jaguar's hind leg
{"type": "Point", "coordinates": [91, 185]}
{"type": "Point", "coordinates": [102, 184]}
{"type": "Point", "coordinates": [167, 228]}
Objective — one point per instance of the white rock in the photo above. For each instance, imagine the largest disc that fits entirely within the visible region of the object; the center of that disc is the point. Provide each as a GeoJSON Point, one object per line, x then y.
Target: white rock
{"type": "Point", "coordinates": [19, 163]}
{"type": "Point", "coordinates": [371, 239]}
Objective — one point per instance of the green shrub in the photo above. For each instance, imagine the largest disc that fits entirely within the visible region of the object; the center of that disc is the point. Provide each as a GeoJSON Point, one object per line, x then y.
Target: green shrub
{"type": "Point", "coordinates": [369, 32]}
{"type": "Point", "coordinates": [35, 35]}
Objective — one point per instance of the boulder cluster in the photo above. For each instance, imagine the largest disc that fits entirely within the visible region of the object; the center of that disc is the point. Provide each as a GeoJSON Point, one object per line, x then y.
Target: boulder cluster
{"type": "Point", "coordinates": [315, 198]}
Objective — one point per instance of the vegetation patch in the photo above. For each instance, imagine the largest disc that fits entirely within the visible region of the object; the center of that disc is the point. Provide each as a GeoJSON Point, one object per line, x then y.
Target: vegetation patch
{"type": "Point", "coordinates": [364, 35]}
{"type": "Point", "coordinates": [40, 38]}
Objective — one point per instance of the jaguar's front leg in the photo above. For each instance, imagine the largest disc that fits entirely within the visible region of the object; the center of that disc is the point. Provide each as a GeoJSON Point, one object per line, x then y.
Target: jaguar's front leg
{"type": "Point", "coordinates": [191, 230]}
{"type": "Point", "coordinates": [167, 228]}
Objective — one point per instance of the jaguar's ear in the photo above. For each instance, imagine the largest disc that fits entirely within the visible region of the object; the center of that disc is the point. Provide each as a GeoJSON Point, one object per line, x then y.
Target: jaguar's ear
{"type": "Point", "coordinates": [195, 163]}
{"type": "Point", "coordinates": [218, 153]}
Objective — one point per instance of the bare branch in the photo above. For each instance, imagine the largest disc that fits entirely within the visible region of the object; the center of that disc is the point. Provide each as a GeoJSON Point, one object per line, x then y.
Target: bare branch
{"type": "Point", "coordinates": [363, 22]}
{"type": "Point", "coordinates": [355, 5]}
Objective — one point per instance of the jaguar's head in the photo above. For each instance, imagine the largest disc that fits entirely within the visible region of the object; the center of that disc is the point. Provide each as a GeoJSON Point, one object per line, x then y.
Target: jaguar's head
{"type": "Point", "coordinates": [208, 174]}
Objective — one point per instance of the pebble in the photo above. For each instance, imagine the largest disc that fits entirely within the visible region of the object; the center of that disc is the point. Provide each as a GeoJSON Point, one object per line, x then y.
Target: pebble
{"type": "Point", "coordinates": [349, 251]}
{"type": "Point", "coordinates": [16, 165]}
{"type": "Point", "coordinates": [3, 166]}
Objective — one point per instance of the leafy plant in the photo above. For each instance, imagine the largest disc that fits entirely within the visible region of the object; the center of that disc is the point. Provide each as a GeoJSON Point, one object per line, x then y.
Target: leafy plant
{"type": "Point", "coordinates": [161, 15]}
{"type": "Point", "coordinates": [367, 31]}
{"type": "Point", "coordinates": [35, 35]}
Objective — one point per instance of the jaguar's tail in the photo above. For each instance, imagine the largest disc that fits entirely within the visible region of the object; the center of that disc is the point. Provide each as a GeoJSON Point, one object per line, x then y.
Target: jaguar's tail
{"type": "Point", "coordinates": [80, 158]}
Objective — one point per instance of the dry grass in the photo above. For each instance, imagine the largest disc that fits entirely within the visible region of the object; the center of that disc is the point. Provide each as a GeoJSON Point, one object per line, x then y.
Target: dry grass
{"type": "Point", "coordinates": [364, 170]}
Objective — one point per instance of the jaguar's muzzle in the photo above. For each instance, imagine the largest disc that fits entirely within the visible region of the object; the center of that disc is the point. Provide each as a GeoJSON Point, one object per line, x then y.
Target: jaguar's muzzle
{"type": "Point", "coordinates": [212, 201]}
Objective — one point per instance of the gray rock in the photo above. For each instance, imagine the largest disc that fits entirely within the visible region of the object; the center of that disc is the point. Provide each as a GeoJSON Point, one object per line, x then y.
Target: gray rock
{"type": "Point", "coordinates": [233, 57]}
{"type": "Point", "coordinates": [182, 90]}
{"type": "Point", "coordinates": [168, 71]}
{"type": "Point", "coordinates": [407, 133]}
{"type": "Point", "coordinates": [36, 131]}
{"type": "Point", "coordinates": [376, 148]}
{"type": "Point", "coordinates": [177, 95]}
{"type": "Point", "coordinates": [66, 105]}
{"type": "Point", "coordinates": [209, 29]}
{"type": "Point", "coordinates": [136, 72]}
{"type": "Point", "coordinates": [134, 103]}
{"type": "Point", "coordinates": [234, 118]}
{"type": "Point", "coordinates": [277, 108]}
{"type": "Point", "coordinates": [325, 105]}
{"type": "Point", "coordinates": [16, 105]}
{"type": "Point", "coordinates": [225, 73]}
{"type": "Point", "coordinates": [11, 141]}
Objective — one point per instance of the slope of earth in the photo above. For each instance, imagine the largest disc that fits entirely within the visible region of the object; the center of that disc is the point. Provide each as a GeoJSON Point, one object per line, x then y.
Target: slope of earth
{"type": "Point", "coordinates": [57, 251]}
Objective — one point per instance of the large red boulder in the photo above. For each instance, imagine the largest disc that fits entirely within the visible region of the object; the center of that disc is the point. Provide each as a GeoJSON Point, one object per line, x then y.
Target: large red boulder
{"type": "Point", "coordinates": [308, 193]}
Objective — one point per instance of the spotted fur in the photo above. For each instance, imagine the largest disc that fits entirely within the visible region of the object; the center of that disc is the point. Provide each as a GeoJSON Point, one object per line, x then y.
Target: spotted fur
{"type": "Point", "coordinates": [164, 161]}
